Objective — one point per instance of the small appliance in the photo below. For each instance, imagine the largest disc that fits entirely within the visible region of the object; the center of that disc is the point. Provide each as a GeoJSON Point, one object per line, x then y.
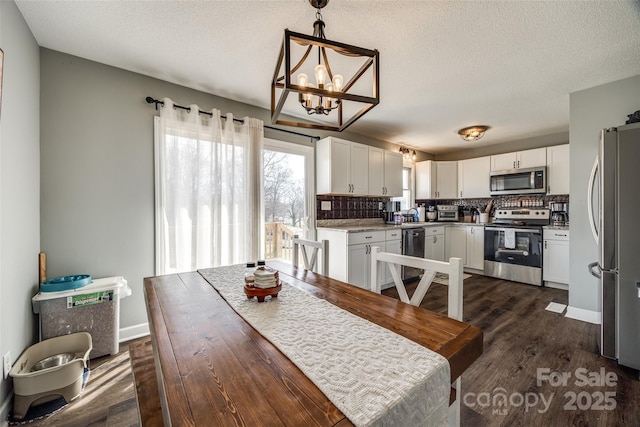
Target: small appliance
{"type": "Point", "coordinates": [391, 208]}
{"type": "Point", "coordinates": [447, 213]}
{"type": "Point", "coordinates": [519, 181]}
{"type": "Point", "coordinates": [559, 213]}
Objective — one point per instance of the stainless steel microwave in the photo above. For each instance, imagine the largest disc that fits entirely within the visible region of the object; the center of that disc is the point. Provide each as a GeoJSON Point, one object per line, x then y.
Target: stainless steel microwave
{"type": "Point", "coordinates": [519, 181]}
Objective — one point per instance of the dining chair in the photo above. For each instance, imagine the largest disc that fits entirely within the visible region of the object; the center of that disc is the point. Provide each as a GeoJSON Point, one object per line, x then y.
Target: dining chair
{"type": "Point", "coordinates": [454, 294]}
{"type": "Point", "coordinates": [310, 249]}
{"type": "Point", "coordinates": [453, 268]}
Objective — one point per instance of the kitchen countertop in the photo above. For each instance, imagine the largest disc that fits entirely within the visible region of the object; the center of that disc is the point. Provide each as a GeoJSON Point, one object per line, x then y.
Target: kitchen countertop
{"type": "Point", "coordinates": [354, 226]}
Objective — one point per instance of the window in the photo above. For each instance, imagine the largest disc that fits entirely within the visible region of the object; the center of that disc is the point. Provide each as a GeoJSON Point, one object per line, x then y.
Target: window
{"type": "Point", "coordinates": [406, 201]}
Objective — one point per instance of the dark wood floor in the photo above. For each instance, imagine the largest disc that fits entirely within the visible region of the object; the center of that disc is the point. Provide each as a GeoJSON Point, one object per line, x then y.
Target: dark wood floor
{"type": "Point", "coordinates": [520, 338]}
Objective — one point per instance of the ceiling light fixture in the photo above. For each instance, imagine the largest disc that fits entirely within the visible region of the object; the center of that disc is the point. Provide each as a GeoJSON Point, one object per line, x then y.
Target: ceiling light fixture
{"type": "Point", "coordinates": [472, 133]}
{"type": "Point", "coordinates": [331, 91]}
{"type": "Point", "coordinates": [408, 154]}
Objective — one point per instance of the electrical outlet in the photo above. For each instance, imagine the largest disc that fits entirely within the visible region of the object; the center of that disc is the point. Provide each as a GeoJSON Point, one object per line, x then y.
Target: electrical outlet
{"type": "Point", "coordinates": [6, 361]}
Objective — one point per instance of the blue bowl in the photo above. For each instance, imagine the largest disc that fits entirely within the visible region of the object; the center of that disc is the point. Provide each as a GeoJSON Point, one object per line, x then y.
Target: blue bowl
{"type": "Point", "coordinates": [65, 283]}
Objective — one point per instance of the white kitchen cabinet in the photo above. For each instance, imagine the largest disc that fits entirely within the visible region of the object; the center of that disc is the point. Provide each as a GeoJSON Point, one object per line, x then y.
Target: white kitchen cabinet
{"type": "Point", "coordinates": [342, 167]}
{"type": "Point", "coordinates": [474, 178]}
{"type": "Point", "coordinates": [519, 159]}
{"type": "Point", "coordinates": [350, 254]}
{"type": "Point", "coordinates": [456, 243]}
{"type": "Point", "coordinates": [555, 258]}
{"type": "Point", "coordinates": [348, 168]}
{"type": "Point", "coordinates": [466, 242]}
{"type": "Point", "coordinates": [436, 180]}
{"type": "Point", "coordinates": [392, 174]}
{"type": "Point", "coordinates": [475, 247]}
{"type": "Point", "coordinates": [393, 244]}
{"type": "Point", "coordinates": [359, 261]}
{"type": "Point", "coordinates": [376, 166]}
{"type": "Point", "coordinates": [359, 169]}
{"type": "Point", "coordinates": [359, 257]}
{"type": "Point", "coordinates": [385, 173]}
{"type": "Point", "coordinates": [558, 169]}
{"type": "Point", "coordinates": [434, 243]}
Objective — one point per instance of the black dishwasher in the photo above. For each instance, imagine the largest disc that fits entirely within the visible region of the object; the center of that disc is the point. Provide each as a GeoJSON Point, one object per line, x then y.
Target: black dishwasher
{"type": "Point", "coordinates": [412, 245]}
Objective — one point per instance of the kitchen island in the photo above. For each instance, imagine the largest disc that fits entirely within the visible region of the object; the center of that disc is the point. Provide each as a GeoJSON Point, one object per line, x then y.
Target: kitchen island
{"type": "Point", "coordinates": [213, 368]}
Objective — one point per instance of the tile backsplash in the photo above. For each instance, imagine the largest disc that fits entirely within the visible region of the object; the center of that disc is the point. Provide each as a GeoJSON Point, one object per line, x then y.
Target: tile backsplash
{"type": "Point", "coordinates": [532, 200]}
{"type": "Point", "coordinates": [350, 207]}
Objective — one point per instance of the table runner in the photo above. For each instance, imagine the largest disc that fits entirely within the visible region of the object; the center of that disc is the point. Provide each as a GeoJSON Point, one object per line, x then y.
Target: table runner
{"type": "Point", "coordinates": [373, 375]}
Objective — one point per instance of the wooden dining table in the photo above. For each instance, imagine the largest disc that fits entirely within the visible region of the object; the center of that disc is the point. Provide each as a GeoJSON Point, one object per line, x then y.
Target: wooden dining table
{"type": "Point", "coordinates": [213, 368]}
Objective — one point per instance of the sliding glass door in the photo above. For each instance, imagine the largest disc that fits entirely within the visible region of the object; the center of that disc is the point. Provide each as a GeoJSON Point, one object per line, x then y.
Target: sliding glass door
{"type": "Point", "coordinates": [289, 196]}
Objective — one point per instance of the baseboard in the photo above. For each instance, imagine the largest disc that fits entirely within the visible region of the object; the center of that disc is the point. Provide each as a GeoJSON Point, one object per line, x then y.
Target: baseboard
{"type": "Point", "coordinates": [4, 410]}
{"type": "Point", "coordinates": [473, 271]}
{"type": "Point", "coordinates": [584, 315]}
{"type": "Point", "coordinates": [556, 285]}
{"type": "Point", "coordinates": [132, 332]}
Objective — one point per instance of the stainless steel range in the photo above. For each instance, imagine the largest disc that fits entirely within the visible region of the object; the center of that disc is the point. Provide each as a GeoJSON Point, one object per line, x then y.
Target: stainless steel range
{"type": "Point", "coordinates": [513, 245]}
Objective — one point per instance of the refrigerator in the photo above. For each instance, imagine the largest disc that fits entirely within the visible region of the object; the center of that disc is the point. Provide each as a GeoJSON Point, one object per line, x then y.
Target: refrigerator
{"type": "Point", "coordinates": [617, 231]}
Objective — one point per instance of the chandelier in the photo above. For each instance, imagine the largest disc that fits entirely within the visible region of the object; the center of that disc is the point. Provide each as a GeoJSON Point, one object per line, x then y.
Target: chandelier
{"type": "Point", "coordinates": [330, 94]}
{"type": "Point", "coordinates": [472, 133]}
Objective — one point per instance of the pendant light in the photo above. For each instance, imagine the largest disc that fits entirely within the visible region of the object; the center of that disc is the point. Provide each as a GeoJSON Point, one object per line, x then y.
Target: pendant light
{"type": "Point", "coordinates": [327, 96]}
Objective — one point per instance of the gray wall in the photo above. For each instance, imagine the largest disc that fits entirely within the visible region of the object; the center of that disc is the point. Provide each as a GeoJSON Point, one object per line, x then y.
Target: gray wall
{"type": "Point", "coordinates": [591, 111]}
{"type": "Point", "coordinates": [479, 149]}
{"type": "Point", "coordinates": [97, 168]}
{"type": "Point", "coordinates": [19, 186]}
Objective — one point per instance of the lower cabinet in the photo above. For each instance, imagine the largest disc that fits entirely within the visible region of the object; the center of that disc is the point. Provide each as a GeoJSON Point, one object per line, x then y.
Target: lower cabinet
{"type": "Point", "coordinates": [555, 258]}
{"type": "Point", "coordinates": [359, 261]}
{"type": "Point", "coordinates": [466, 242]}
{"type": "Point", "coordinates": [392, 245]}
{"type": "Point", "coordinates": [350, 254]}
{"type": "Point", "coordinates": [434, 243]}
{"type": "Point", "coordinates": [475, 247]}
{"type": "Point", "coordinates": [456, 243]}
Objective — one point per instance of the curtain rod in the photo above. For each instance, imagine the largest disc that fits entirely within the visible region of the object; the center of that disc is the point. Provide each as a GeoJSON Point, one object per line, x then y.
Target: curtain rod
{"type": "Point", "coordinates": [150, 100]}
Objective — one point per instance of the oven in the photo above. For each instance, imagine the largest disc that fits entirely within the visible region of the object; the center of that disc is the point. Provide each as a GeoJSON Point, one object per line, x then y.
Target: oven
{"type": "Point", "coordinates": [513, 245]}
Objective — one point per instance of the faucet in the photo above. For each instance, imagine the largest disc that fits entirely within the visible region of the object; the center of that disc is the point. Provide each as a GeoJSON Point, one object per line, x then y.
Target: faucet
{"type": "Point", "coordinates": [412, 216]}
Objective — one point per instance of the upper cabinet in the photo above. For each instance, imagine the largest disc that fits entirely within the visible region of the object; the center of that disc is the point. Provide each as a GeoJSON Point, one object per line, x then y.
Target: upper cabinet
{"type": "Point", "coordinates": [558, 169]}
{"type": "Point", "coordinates": [385, 173]}
{"type": "Point", "coordinates": [519, 159]}
{"type": "Point", "coordinates": [341, 167]}
{"type": "Point", "coordinates": [436, 180]}
{"type": "Point", "coordinates": [473, 178]}
{"type": "Point", "coordinates": [345, 167]}
{"type": "Point", "coordinates": [392, 174]}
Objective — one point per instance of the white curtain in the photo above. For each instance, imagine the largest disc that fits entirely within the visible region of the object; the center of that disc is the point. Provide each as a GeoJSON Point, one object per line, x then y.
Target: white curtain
{"type": "Point", "coordinates": [208, 189]}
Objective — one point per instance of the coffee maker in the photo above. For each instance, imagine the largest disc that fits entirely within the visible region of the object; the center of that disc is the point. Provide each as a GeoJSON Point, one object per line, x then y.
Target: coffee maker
{"type": "Point", "coordinates": [389, 210]}
{"type": "Point", "coordinates": [559, 213]}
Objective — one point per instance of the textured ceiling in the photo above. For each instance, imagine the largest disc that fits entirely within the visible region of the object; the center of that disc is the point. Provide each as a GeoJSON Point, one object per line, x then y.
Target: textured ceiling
{"type": "Point", "coordinates": [444, 64]}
